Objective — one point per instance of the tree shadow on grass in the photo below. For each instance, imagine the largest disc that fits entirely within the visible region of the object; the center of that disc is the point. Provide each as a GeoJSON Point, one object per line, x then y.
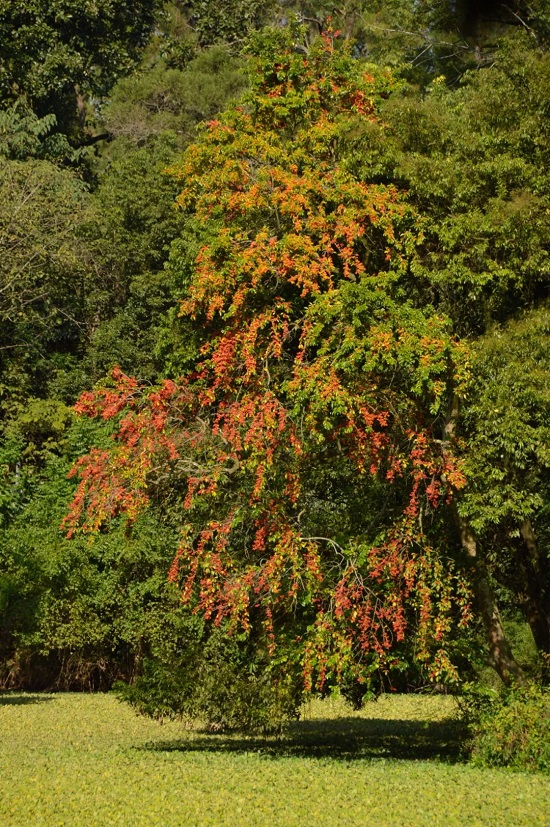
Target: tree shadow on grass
{"type": "Point", "coordinates": [344, 739]}
{"type": "Point", "coordinates": [9, 697]}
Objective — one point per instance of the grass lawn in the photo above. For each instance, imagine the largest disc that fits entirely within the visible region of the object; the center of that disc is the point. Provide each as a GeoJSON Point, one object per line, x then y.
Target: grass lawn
{"type": "Point", "coordinates": [72, 759]}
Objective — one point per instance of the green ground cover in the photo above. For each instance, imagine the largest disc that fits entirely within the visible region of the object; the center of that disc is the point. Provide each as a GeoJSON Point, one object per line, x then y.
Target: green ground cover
{"type": "Point", "coordinates": [87, 759]}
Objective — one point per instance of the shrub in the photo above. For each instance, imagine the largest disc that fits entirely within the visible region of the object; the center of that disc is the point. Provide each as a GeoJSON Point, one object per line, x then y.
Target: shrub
{"type": "Point", "coordinates": [216, 681]}
{"type": "Point", "coordinates": [511, 730]}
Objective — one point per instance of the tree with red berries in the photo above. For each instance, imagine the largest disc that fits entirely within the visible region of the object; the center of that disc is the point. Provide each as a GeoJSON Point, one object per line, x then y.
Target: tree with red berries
{"type": "Point", "coordinates": [304, 443]}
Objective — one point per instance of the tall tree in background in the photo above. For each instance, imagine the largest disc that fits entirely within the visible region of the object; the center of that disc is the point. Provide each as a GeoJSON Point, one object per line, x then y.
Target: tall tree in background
{"type": "Point", "coordinates": [474, 161]}
{"type": "Point", "coordinates": [507, 428]}
{"type": "Point", "coordinates": [60, 53]}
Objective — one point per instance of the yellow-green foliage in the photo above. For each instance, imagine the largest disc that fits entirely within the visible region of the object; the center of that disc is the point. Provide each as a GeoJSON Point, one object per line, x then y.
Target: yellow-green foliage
{"type": "Point", "coordinates": [86, 759]}
{"type": "Point", "coordinates": [514, 731]}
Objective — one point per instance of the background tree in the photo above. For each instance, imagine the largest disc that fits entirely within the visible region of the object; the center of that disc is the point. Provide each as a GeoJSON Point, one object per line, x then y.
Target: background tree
{"type": "Point", "coordinates": [58, 55]}
{"type": "Point", "coordinates": [506, 431]}
{"type": "Point", "coordinates": [230, 23]}
{"type": "Point", "coordinates": [75, 615]}
{"type": "Point", "coordinates": [171, 99]}
{"type": "Point", "coordinates": [473, 160]}
{"type": "Point", "coordinates": [42, 274]}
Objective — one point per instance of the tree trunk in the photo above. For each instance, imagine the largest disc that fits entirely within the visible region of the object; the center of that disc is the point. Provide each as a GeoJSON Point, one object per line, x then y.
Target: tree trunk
{"type": "Point", "coordinates": [536, 598]}
{"type": "Point", "coordinates": [500, 651]}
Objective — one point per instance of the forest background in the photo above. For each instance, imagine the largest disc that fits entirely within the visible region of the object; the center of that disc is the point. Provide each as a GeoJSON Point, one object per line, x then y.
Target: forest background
{"type": "Point", "coordinates": [408, 545]}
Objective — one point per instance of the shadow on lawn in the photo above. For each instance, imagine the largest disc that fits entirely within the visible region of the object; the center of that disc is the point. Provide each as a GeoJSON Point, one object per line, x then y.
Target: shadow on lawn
{"type": "Point", "coordinates": [342, 739]}
{"type": "Point", "coordinates": [13, 698]}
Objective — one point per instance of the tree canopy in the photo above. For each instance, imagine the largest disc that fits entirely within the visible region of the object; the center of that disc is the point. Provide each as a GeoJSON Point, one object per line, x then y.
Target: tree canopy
{"type": "Point", "coordinates": [54, 51]}
{"type": "Point", "coordinates": [311, 364]}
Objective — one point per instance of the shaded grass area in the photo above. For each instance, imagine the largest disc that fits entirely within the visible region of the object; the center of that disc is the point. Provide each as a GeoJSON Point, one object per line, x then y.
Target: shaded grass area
{"type": "Point", "coordinates": [346, 739]}
{"type": "Point", "coordinates": [21, 699]}
{"type": "Point", "coordinates": [87, 759]}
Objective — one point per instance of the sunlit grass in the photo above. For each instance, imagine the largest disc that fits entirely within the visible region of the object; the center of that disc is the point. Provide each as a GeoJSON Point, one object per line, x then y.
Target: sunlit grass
{"type": "Point", "coordinates": [87, 759]}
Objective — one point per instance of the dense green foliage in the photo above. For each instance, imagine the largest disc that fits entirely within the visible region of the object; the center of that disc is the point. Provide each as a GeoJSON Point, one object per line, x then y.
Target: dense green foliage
{"type": "Point", "coordinates": [363, 253]}
{"type": "Point", "coordinates": [475, 162]}
{"type": "Point", "coordinates": [55, 54]}
{"type": "Point", "coordinates": [512, 730]}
